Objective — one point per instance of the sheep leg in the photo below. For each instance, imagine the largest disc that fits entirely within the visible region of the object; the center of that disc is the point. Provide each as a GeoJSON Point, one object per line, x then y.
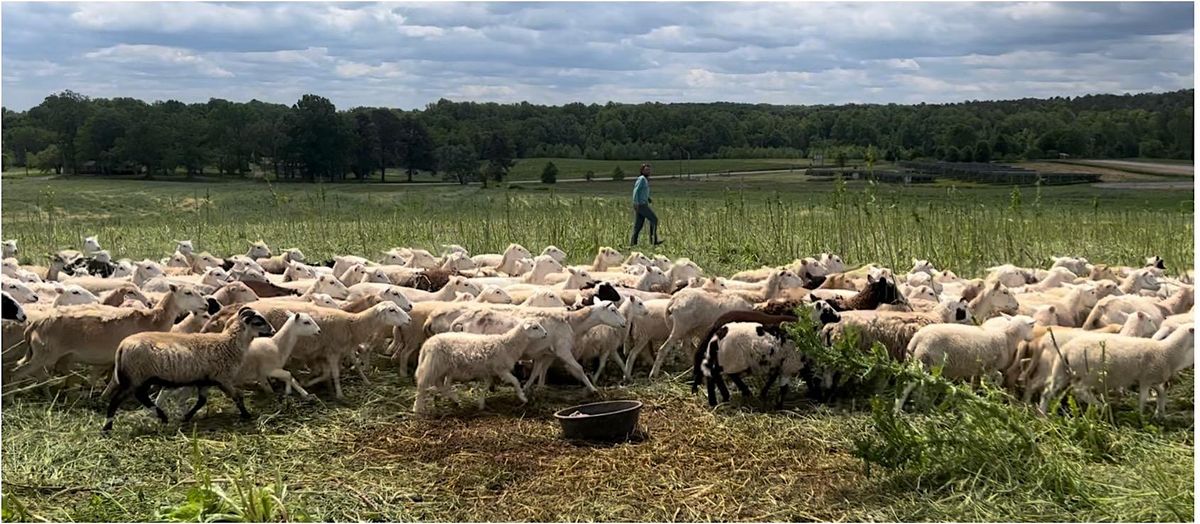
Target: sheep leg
{"type": "Point", "coordinates": [742, 387]}
{"type": "Point", "coordinates": [1143, 395]}
{"type": "Point", "coordinates": [662, 353]}
{"type": "Point", "coordinates": [632, 356]}
{"type": "Point", "coordinates": [564, 354]}
{"type": "Point", "coordinates": [236, 395]}
{"type": "Point", "coordinates": [784, 386]}
{"type": "Point", "coordinates": [287, 378]}
{"type": "Point", "coordinates": [336, 371]}
{"type": "Point", "coordinates": [113, 404]}
{"type": "Point", "coordinates": [720, 379]}
{"type": "Point", "coordinates": [360, 367]}
{"type": "Point", "coordinates": [711, 386]}
{"type": "Point", "coordinates": [771, 378]}
{"type": "Point", "coordinates": [265, 386]}
{"type": "Point", "coordinates": [201, 400]}
{"type": "Point", "coordinates": [904, 396]}
{"type": "Point", "coordinates": [1160, 394]}
{"type": "Point", "coordinates": [516, 384]}
{"type": "Point", "coordinates": [142, 393]}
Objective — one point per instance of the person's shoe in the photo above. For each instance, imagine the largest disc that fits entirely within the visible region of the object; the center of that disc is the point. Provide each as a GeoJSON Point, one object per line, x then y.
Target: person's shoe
{"type": "Point", "coordinates": [658, 242]}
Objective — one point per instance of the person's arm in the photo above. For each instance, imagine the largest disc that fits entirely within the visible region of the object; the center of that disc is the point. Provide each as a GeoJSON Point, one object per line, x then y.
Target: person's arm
{"type": "Point", "coordinates": [641, 192]}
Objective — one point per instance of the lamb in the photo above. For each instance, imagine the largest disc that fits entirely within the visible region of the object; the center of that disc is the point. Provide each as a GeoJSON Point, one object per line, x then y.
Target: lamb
{"type": "Point", "coordinates": [749, 347]}
{"type": "Point", "coordinates": [450, 357]}
{"type": "Point", "coordinates": [894, 329]}
{"type": "Point", "coordinates": [543, 267]}
{"type": "Point", "coordinates": [967, 352]}
{"type": "Point", "coordinates": [18, 290]}
{"type": "Point", "coordinates": [506, 262]}
{"type": "Point", "coordinates": [878, 291]}
{"type": "Point", "coordinates": [603, 342]}
{"type": "Point", "coordinates": [1010, 275]}
{"type": "Point", "coordinates": [192, 323]}
{"type": "Point", "coordinates": [10, 248]}
{"type": "Point", "coordinates": [266, 357]}
{"type": "Point", "coordinates": [235, 293]}
{"type": "Point", "coordinates": [1109, 362]}
{"type": "Point", "coordinates": [1070, 310]}
{"type": "Point", "coordinates": [1040, 352]}
{"type": "Point", "coordinates": [772, 287]}
{"type": "Point", "coordinates": [554, 252]}
{"type": "Point", "coordinates": [637, 258]}
{"type": "Point", "coordinates": [456, 284]}
{"type": "Point", "coordinates": [278, 263]}
{"type": "Point", "coordinates": [606, 257]}
{"type": "Point", "coordinates": [90, 334]}
{"type": "Point", "coordinates": [1172, 323]}
{"type": "Point", "coordinates": [173, 360]}
{"type": "Point", "coordinates": [73, 295]}
{"type": "Point", "coordinates": [1139, 280]}
{"type": "Point", "coordinates": [12, 310]}
{"type": "Point", "coordinates": [993, 300]}
{"type": "Point", "coordinates": [342, 335]}
{"type": "Point", "coordinates": [1076, 265]}
{"type": "Point", "coordinates": [342, 263]}
{"type": "Point", "coordinates": [91, 245]}
{"type": "Point", "coordinates": [1114, 309]}
{"type": "Point", "coordinates": [323, 284]}
{"type": "Point", "coordinates": [689, 313]}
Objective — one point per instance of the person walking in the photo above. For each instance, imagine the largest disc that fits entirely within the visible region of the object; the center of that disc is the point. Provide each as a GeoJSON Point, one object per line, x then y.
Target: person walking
{"type": "Point", "coordinates": [641, 208]}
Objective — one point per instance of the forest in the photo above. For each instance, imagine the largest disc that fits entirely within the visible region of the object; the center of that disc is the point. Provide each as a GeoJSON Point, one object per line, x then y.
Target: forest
{"type": "Point", "coordinates": [467, 141]}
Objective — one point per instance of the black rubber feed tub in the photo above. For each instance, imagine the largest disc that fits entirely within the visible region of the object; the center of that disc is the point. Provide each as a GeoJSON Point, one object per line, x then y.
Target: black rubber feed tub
{"type": "Point", "coordinates": [614, 420]}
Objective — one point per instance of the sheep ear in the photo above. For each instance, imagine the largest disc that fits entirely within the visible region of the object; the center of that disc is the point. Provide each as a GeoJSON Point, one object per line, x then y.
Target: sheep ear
{"type": "Point", "coordinates": [173, 287]}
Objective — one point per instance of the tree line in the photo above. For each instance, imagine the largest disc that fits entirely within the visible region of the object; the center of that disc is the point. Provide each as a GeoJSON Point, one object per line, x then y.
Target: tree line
{"type": "Point", "coordinates": [470, 141]}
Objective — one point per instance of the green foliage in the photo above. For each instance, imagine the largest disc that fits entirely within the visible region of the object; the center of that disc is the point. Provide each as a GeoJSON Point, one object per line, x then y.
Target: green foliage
{"type": "Point", "coordinates": [618, 173]}
{"type": "Point", "coordinates": [240, 500]}
{"type": "Point", "coordinates": [550, 173]}
{"type": "Point", "coordinates": [458, 162]}
{"type": "Point", "coordinates": [46, 160]}
{"type": "Point", "coordinates": [589, 175]}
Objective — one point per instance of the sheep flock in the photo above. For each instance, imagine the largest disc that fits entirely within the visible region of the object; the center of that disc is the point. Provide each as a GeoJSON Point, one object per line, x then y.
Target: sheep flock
{"type": "Point", "coordinates": [192, 321]}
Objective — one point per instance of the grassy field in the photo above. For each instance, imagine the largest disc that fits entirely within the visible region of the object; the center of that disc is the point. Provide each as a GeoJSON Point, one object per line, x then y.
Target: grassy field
{"type": "Point", "coordinates": [367, 458]}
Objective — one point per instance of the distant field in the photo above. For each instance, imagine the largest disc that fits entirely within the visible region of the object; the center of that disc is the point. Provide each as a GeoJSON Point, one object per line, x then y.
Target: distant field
{"type": "Point", "coordinates": [1144, 166]}
{"type": "Point", "coordinates": [531, 168]}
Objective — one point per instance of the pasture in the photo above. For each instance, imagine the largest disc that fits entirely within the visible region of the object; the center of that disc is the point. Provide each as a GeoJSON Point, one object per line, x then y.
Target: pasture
{"type": "Point", "coordinates": [367, 458]}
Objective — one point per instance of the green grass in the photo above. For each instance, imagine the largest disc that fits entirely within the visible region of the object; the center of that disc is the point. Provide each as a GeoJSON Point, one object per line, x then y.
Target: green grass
{"type": "Point", "coordinates": [531, 168]}
{"type": "Point", "coordinates": [367, 458]}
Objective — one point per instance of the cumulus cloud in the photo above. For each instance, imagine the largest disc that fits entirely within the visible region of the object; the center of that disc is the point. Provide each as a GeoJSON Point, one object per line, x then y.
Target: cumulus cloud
{"type": "Point", "coordinates": [410, 54]}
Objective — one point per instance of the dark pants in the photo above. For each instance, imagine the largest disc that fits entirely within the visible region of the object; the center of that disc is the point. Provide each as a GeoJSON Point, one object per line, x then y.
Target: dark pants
{"type": "Point", "coordinates": [642, 213]}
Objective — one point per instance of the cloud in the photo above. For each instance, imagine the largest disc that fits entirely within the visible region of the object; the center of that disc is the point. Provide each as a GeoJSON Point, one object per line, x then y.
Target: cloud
{"type": "Point", "coordinates": [410, 54]}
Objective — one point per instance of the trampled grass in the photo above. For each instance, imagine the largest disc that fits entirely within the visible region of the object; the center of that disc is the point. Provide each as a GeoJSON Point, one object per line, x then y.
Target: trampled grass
{"type": "Point", "coordinates": [367, 458]}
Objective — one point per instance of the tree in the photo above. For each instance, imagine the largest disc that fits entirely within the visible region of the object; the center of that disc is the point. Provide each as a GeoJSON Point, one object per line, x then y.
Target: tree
{"type": "Point", "coordinates": [499, 156]}
{"type": "Point", "coordinates": [366, 150]}
{"type": "Point", "coordinates": [458, 162]}
{"type": "Point", "coordinates": [317, 138]}
{"type": "Point", "coordinates": [24, 141]}
{"type": "Point", "coordinates": [983, 151]}
{"type": "Point", "coordinates": [63, 114]}
{"type": "Point", "coordinates": [951, 154]}
{"type": "Point", "coordinates": [414, 149]}
{"type": "Point", "coordinates": [550, 173]}
{"type": "Point", "coordinates": [589, 175]}
{"type": "Point", "coordinates": [388, 128]}
{"type": "Point", "coordinates": [618, 173]}
{"type": "Point", "coordinates": [46, 160]}
{"type": "Point", "coordinates": [840, 158]}
{"type": "Point", "coordinates": [870, 157]}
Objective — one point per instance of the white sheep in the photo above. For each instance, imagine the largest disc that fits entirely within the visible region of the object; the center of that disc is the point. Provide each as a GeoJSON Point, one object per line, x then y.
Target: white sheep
{"type": "Point", "coordinates": [18, 290]}
{"type": "Point", "coordinates": [1042, 350]}
{"type": "Point", "coordinates": [749, 347]}
{"type": "Point", "coordinates": [893, 329]}
{"type": "Point", "coordinates": [967, 352]}
{"type": "Point", "coordinates": [689, 313]}
{"type": "Point", "coordinates": [258, 249]}
{"type": "Point", "coordinates": [603, 342]}
{"type": "Point", "coordinates": [10, 248]}
{"type": "Point", "coordinates": [91, 245]}
{"type": "Point", "coordinates": [266, 357]}
{"type": "Point", "coordinates": [543, 298]}
{"type": "Point", "coordinates": [506, 262]}
{"type": "Point", "coordinates": [1109, 362]}
{"type": "Point", "coordinates": [449, 357]}
{"type": "Point", "coordinates": [554, 252]}
{"type": "Point", "coordinates": [1076, 265]}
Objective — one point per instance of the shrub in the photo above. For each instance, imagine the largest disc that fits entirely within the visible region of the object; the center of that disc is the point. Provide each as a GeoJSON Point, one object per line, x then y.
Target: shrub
{"type": "Point", "coordinates": [618, 174]}
{"type": "Point", "coordinates": [550, 173]}
{"type": "Point", "coordinates": [589, 175]}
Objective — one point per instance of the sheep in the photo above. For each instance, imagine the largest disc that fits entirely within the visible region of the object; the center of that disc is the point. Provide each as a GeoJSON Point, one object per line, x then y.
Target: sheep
{"type": "Point", "coordinates": [456, 284]}
{"type": "Point", "coordinates": [967, 352]}
{"type": "Point", "coordinates": [543, 267]}
{"type": "Point", "coordinates": [448, 357]}
{"type": "Point", "coordinates": [12, 310]}
{"type": "Point", "coordinates": [1070, 310]}
{"type": "Point", "coordinates": [298, 271]}
{"type": "Point", "coordinates": [770, 288]}
{"type": "Point", "coordinates": [1010, 275]}
{"type": "Point", "coordinates": [1171, 323]}
{"type": "Point", "coordinates": [266, 357]}
{"type": "Point", "coordinates": [342, 334]}
{"type": "Point", "coordinates": [278, 263]}
{"type": "Point", "coordinates": [562, 326]}
{"type": "Point", "coordinates": [258, 250]}
{"type": "Point", "coordinates": [342, 263]}
{"type": "Point", "coordinates": [143, 272]}
{"type": "Point", "coordinates": [830, 263]}
{"type": "Point", "coordinates": [192, 323]}
{"type": "Point", "coordinates": [506, 262]}
{"type": "Point", "coordinates": [543, 298]}
{"type": "Point", "coordinates": [1042, 350]}
{"type": "Point", "coordinates": [637, 258]}
{"type": "Point", "coordinates": [73, 295]}
{"type": "Point", "coordinates": [603, 342]}
{"type": "Point", "coordinates": [1078, 266]}
{"type": "Point", "coordinates": [894, 329]}
{"type": "Point", "coordinates": [749, 347]}
{"type": "Point", "coordinates": [877, 291]}
{"type": "Point", "coordinates": [1139, 280]}
{"type": "Point", "coordinates": [18, 290]}
{"type": "Point", "coordinates": [457, 262]}
{"type": "Point", "coordinates": [10, 248]}
{"type": "Point", "coordinates": [554, 252]}
{"type": "Point", "coordinates": [993, 300]}
{"type": "Point", "coordinates": [414, 258]}
{"type": "Point", "coordinates": [323, 284]}
{"type": "Point", "coordinates": [235, 293]}
{"type": "Point", "coordinates": [174, 360]}
{"type": "Point", "coordinates": [454, 248]}
{"type": "Point", "coordinates": [922, 266]}
{"type": "Point", "coordinates": [90, 334]}
{"type": "Point", "coordinates": [1114, 309]}
{"type": "Point", "coordinates": [688, 313]}
{"type": "Point", "coordinates": [1046, 315]}
{"type": "Point", "coordinates": [1114, 361]}
{"type": "Point", "coordinates": [91, 245]}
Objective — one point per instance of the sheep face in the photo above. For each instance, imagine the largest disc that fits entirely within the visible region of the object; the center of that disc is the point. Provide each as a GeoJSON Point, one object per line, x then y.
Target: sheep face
{"type": "Point", "coordinates": [922, 293]}
{"type": "Point", "coordinates": [390, 314]}
{"type": "Point", "coordinates": [1152, 261]}
{"type": "Point", "coordinates": [393, 258]}
{"type": "Point", "coordinates": [29, 277]}
{"type": "Point", "coordinates": [636, 270]}
{"type": "Point", "coordinates": [189, 300]}
{"type": "Point", "coordinates": [11, 268]}
{"type": "Point", "coordinates": [10, 248]}
{"type": "Point", "coordinates": [136, 295]}
{"type": "Point", "coordinates": [449, 249]}
{"type": "Point", "coordinates": [1020, 327]}
{"type": "Point", "coordinates": [177, 260]}
{"type": "Point", "coordinates": [522, 266]}
{"type": "Point", "coordinates": [495, 295]}
{"type": "Point", "coordinates": [545, 265]}
{"type": "Point", "coordinates": [831, 262]}
{"type": "Point", "coordinates": [376, 276]}
{"type": "Point", "coordinates": [394, 296]}
{"type": "Point", "coordinates": [637, 258]}
{"type": "Point", "coordinates": [555, 253]}
{"type": "Point", "coordinates": [958, 311]}
{"type": "Point", "coordinates": [636, 308]}
{"type": "Point", "coordinates": [215, 276]}
{"type": "Point", "coordinates": [304, 325]}
{"type": "Point", "coordinates": [332, 286]}
{"type": "Point", "coordinates": [1046, 315]}
{"type": "Point", "coordinates": [1077, 265]}
{"type": "Point", "coordinates": [661, 262]}
{"type": "Point", "coordinates": [19, 291]}
{"type": "Point", "coordinates": [205, 261]}
{"type": "Point", "coordinates": [422, 258]}
{"type": "Point", "coordinates": [824, 313]}
{"type": "Point", "coordinates": [11, 310]}
{"type": "Point", "coordinates": [1001, 299]}
{"type": "Point", "coordinates": [149, 269]}
{"type": "Point", "coordinates": [184, 247]}
{"type": "Point", "coordinates": [323, 300]}
{"type": "Point", "coordinates": [788, 279]}
{"type": "Point", "coordinates": [293, 255]}
{"type": "Point", "coordinates": [1145, 279]}
{"type": "Point", "coordinates": [123, 269]}
{"type": "Point", "coordinates": [73, 295]}
{"type": "Point", "coordinates": [609, 256]}
{"type": "Point", "coordinates": [91, 245]}
{"type": "Point", "coordinates": [258, 250]}
{"type": "Point", "coordinates": [608, 314]}
{"type": "Point", "coordinates": [238, 293]}
{"type": "Point", "coordinates": [354, 273]}
{"type": "Point", "coordinates": [579, 279]}
{"type": "Point", "coordinates": [517, 250]}
{"type": "Point", "coordinates": [457, 261]}
{"type": "Point", "coordinates": [922, 266]}
{"type": "Point", "coordinates": [298, 271]}
{"type": "Point", "coordinates": [249, 275]}
{"type": "Point", "coordinates": [462, 285]}
{"type": "Point", "coordinates": [1139, 324]}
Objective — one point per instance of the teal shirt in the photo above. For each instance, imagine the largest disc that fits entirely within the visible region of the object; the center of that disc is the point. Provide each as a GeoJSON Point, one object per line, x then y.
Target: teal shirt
{"type": "Point", "coordinates": [641, 191]}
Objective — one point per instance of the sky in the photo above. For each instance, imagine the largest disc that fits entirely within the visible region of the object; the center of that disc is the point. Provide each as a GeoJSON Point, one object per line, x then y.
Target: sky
{"type": "Point", "coordinates": [407, 55]}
